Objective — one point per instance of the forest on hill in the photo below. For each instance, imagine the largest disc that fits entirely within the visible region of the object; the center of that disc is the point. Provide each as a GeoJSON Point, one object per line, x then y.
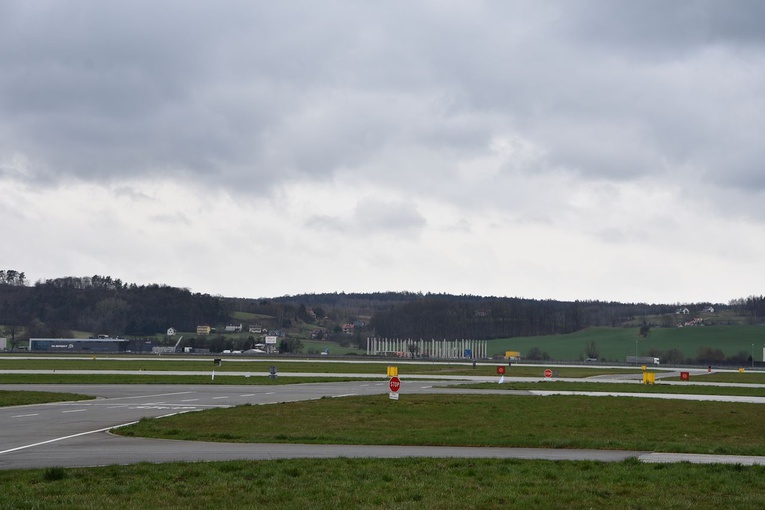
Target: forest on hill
{"type": "Point", "coordinates": [100, 304]}
{"type": "Point", "coordinates": [106, 305]}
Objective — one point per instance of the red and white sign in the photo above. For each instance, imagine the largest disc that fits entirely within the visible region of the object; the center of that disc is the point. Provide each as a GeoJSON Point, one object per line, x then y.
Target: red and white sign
{"type": "Point", "coordinates": [394, 384]}
{"type": "Point", "coordinates": [685, 376]}
{"type": "Point", "coordinates": [500, 370]}
{"type": "Point", "coordinates": [548, 373]}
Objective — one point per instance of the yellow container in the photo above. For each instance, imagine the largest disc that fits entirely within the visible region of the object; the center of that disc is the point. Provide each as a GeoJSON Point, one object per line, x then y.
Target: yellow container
{"type": "Point", "coordinates": [392, 371]}
{"type": "Point", "coordinates": [649, 378]}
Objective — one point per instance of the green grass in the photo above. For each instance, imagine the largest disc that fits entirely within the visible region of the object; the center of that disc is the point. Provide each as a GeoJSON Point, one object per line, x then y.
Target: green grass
{"type": "Point", "coordinates": [325, 367]}
{"type": "Point", "coordinates": [419, 484]}
{"type": "Point", "coordinates": [620, 388]}
{"type": "Point", "coordinates": [615, 344]}
{"type": "Point", "coordinates": [19, 398]}
{"type": "Point", "coordinates": [482, 420]}
{"type": "Point", "coordinates": [220, 379]}
{"type": "Point", "coordinates": [247, 316]}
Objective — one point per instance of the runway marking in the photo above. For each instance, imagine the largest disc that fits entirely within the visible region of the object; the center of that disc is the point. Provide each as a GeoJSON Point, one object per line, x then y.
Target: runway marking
{"type": "Point", "coordinates": [166, 407]}
{"type": "Point", "coordinates": [270, 393]}
{"type": "Point", "coordinates": [3, 452]}
{"type": "Point", "coordinates": [153, 396]}
{"type": "Point", "coordinates": [25, 415]}
{"type": "Point", "coordinates": [74, 411]}
{"type": "Point", "coordinates": [63, 438]}
{"type": "Point", "coordinates": [190, 400]}
{"type": "Point", "coordinates": [248, 395]}
{"type": "Point", "coordinates": [218, 398]}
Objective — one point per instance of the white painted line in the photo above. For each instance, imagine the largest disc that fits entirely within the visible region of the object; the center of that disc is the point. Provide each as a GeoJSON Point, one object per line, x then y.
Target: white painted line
{"type": "Point", "coordinates": [271, 393]}
{"type": "Point", "coordinates": [152, 396]}
{"type": "Point", "coordinates": [74, 411]}
{"type": "Point", "coordinates": [218, 398]}
{"type": "Point", "coordinates": [63, 438]}
{"type": "Point", "coordinates": [345, 395]}
{"type": "Point", "coordinates": [25, 415]}
{"type": "Point", "coordinates": [190, 400]}
{"type": "Point", "coordinates": [248, 395]}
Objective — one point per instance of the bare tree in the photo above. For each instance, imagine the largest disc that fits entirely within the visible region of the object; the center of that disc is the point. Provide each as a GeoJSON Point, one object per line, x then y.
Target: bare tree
{"type": "Point", "coordinates": [591, 350]}
{"type": "Point", "coordinates": [12, 332]}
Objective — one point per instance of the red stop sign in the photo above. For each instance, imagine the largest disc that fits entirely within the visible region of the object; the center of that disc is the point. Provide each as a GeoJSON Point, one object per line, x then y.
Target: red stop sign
{"type": "Point", "coordinates": [548, 373]}
{"type": "Point", "coordinates": [394, 384]}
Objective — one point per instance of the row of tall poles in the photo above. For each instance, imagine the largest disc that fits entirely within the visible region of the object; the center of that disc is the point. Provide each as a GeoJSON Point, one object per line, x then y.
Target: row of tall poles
{"type": "Point", "coordinates": [444, 349]}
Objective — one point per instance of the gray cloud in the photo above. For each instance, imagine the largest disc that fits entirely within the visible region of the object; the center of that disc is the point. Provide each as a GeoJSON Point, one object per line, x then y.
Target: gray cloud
{"type": "Point", "coordinates": [601, 119]}
{"type": "Point", "coordinates": [260, 93]}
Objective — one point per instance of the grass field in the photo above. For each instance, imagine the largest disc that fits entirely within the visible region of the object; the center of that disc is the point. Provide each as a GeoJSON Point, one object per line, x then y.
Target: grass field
{"type": "Point", "coordinates": [504, 420]}
{"type": "Point", "coordinates": [482, 420]}
{"type": "Point", "coordinates": [615, 344]}
{"type": "Point", "coordinates": [416, 484]}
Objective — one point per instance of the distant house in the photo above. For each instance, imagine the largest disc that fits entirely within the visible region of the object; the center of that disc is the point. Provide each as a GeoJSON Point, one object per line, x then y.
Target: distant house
{"type": "Point", "coordinates": [233, 328]}
{"type": "Point", "coordinates": [683, 311]}
{"type": "Point", "coordinates": [256, 328]}
{"type": "Point", "coordinates": [170, 331]}
{"type": "Point", "coordinates": [709, 309]}
{"type": "Point", "coordinates": [203, 330]}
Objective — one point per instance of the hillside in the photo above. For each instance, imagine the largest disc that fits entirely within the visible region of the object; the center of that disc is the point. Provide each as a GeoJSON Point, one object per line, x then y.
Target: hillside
{"type": "Point", "coordinates": [88, 306]}
{"type": "Point", "coordinates": [691, 345]}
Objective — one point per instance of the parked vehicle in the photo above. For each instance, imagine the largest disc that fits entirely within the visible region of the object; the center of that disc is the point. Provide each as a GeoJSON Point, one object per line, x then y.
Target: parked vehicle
{"type": "Point", "coordinates": [643, 360]}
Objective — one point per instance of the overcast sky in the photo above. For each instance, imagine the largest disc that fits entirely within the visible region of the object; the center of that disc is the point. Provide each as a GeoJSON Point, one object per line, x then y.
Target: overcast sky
{"type": "Point", "coordinates": [607, 150]}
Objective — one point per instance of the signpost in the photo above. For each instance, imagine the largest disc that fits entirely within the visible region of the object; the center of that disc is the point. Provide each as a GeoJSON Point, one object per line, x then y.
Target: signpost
{"type": "Point", "coordinates": [394, 384]}
{"type": "Point", "coordinates": [548, 373]}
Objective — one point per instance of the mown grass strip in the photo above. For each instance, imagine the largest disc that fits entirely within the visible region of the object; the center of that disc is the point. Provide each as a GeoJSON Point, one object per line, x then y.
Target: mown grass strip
{"type": "Point", "coordinates": [482, 420]}
{"type": "Point", "coordinates": [605, 387]}
{"type": "Point", "coordinates": [220, 379]}
{"type": "Point", "coordinates": [420, 484]}
{"type": "Point", "coordinates": [326, 367]}
{"type": "Point", "coordinates": [20, 398]}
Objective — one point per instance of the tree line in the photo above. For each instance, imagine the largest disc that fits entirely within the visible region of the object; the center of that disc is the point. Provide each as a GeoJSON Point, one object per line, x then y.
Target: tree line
{"type": "Point", "coordinates": [101, 304]}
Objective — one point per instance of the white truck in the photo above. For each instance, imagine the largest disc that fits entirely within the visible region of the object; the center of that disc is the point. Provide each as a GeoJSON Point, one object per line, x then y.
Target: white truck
{"type": "Point", "coordinates": [643, 360]}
